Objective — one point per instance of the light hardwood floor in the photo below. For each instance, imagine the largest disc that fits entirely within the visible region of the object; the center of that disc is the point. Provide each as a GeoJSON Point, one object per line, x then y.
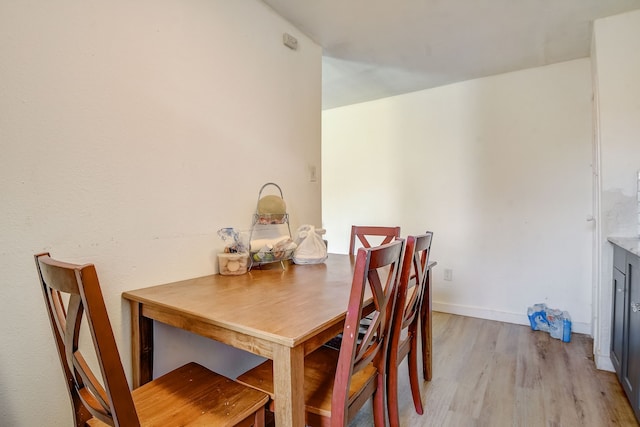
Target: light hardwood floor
{"type": "Point", "coordinates": [488, 373]}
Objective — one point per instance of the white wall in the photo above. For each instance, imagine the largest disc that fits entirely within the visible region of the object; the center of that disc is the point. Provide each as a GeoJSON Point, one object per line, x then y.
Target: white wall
{"type": "Point", "coordinates": [498, 168]}
{"type": "Point", "coordinates": [130, 132]}
{"type": "Point", "coordinates": [616, 44]}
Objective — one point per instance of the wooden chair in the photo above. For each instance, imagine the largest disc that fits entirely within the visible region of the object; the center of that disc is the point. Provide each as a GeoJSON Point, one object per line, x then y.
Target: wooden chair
{"type": "Point", "coordinates": [189, 395]}
{"type": "Point", "coordinates": [406, 321]}
{"type": "Point", "coordinates": [361, 232]}
{"type": "Point", "coordinates": [337, 383]}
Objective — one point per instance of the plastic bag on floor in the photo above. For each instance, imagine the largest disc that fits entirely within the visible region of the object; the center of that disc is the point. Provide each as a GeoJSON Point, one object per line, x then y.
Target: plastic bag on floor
{"type": "Point", "coordinates": [556, 322]}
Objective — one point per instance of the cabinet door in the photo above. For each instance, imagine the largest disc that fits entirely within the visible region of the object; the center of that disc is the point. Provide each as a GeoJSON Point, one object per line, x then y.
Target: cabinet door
{"type": "Point", "coordinates": [617, 335]}
{"type": "Point", "coordinates": [631, 364]}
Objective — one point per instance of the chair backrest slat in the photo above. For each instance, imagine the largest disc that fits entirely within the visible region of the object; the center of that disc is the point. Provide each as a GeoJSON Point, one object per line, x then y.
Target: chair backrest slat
{"type": "Point", "coordinates": [376, 269]}
{"type": "Point", "coordinates": [411, 286]}
{"type": "Point", "coordinates": [417, 276]}
{"type": "Point", "coordinates": [105, 397]}
{"type": "Point", "coordinates": [360, 232]}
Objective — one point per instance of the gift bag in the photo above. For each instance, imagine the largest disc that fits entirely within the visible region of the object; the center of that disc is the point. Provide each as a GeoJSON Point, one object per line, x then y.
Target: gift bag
{"type": "Point", "coordinates": [311, 248]}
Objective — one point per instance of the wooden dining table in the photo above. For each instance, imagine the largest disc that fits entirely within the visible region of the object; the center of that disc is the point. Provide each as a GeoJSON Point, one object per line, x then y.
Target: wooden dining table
{"type": "Point", "coordinates": [280, 314]}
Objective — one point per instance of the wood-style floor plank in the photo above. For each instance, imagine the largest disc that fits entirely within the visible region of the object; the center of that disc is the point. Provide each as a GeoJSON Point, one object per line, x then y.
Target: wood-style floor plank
{"type": "Point", "coordinates": [488, 373]}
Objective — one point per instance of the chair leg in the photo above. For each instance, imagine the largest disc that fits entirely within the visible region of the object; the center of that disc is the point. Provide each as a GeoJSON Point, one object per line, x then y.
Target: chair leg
{"type": "Point", "coordinates": [392, 395]}
{"type": "Point", "coordinates": [412, 362]}
{"type": "Point", "coordinates": [259, 418]}
{"type": "Point", "coordinates": [425, 330]}
{"type": "Point", "coordinates": [379, 403]}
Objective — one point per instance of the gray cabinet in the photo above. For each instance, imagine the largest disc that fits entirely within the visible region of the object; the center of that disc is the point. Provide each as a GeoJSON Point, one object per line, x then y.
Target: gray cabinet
{"type": "Point", "coordinates": [625, 338]}
{"type": "Point", "coordinates": [617, 326]}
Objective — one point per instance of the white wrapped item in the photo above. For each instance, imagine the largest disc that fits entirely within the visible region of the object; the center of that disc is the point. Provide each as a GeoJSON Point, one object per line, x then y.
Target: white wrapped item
{"type": "Point", "coordinates": [311, 248]}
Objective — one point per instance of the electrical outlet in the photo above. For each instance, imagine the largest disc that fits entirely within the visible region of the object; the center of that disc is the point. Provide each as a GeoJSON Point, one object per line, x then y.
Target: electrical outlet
{"type": "Point", "coordinates": [448, 274]}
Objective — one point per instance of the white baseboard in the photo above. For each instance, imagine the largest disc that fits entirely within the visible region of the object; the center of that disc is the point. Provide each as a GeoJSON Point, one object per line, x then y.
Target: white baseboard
{"type": "Point", "coordinates": [604, 363]}
{"type": "Point", "coordinates": [501, 316]}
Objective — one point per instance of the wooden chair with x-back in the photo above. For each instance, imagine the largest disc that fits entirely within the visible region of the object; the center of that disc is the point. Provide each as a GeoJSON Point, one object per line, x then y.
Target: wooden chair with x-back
{"type": "Point", "coordinates": [337, 383]}
{"type": "Point", "coordinates": [189, 395]}
{"type": "Point", "coordinates": [406, 321]}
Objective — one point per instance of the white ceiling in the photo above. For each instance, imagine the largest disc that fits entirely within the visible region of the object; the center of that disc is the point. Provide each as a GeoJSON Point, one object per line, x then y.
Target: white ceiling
{"type": "Point", "coordinates": [378, 48]}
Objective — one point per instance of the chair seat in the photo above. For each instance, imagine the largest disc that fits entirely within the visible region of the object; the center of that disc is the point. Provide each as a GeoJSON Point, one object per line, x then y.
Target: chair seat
{"type": "Point", "coordinates": [319, 374]}
{"type": "Point", "coordinates": [192, 395]}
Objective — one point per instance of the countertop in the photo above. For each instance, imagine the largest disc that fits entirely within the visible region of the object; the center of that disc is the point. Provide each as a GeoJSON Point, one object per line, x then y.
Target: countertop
{"type": "Point", "coordinates": [631, 244]}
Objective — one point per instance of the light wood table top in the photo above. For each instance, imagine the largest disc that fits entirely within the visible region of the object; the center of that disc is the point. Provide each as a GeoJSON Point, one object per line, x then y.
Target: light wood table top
{"type": "Point", "coordinates": [275, 313]}
{"type": "Point", "coordinates": [278, 314]}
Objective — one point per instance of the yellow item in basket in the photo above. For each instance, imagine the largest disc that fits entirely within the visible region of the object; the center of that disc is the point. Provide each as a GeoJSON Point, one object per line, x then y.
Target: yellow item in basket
{"type": "Point", "coordinates": [271, 205]}
{"type": "Point", "coordinates": [271, 209]}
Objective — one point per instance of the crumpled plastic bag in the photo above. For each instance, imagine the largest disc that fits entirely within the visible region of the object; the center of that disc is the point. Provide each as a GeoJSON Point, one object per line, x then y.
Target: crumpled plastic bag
{"type": "Point", "coordinates": [311, 248]}
{"type": "Point", "coordinates": [556, 322]}
{"type": "Point", "coordinates": [233, 240]}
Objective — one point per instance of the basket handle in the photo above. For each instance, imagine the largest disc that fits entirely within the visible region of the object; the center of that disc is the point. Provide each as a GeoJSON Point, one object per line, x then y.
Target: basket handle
{"type": "Point", "coordinates": [267, 184]}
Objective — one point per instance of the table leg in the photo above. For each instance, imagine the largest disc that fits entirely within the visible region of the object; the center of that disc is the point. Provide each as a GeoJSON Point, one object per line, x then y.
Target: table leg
{"type": "Point", "coordinates": [426, 330]}
{"type": "Point", "coordinates": [288, 379]}
{"type": "Point", "coordinates": [141, 346]}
